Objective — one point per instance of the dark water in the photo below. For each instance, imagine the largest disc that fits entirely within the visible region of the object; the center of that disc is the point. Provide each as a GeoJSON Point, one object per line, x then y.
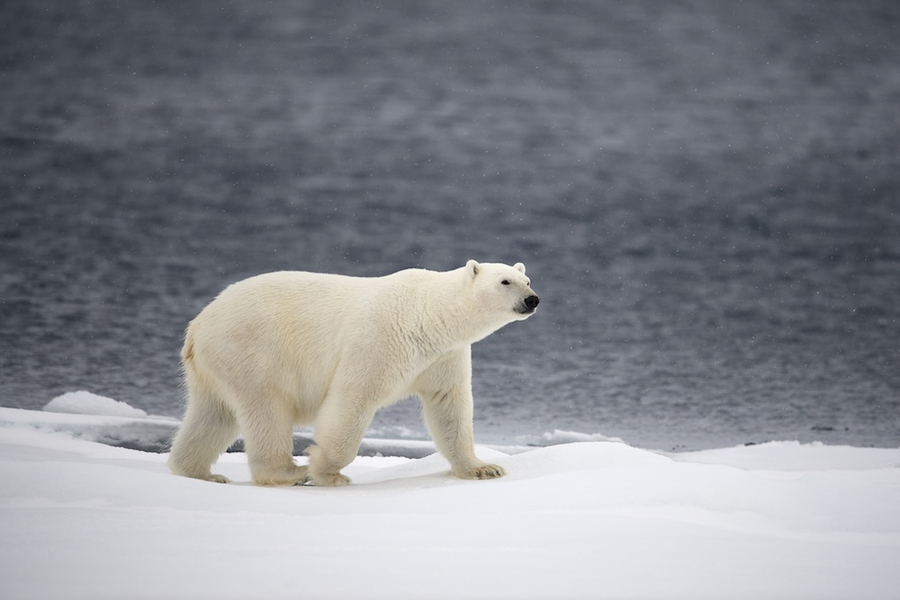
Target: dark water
{"type": "Point", "coordinates": [706, 194]}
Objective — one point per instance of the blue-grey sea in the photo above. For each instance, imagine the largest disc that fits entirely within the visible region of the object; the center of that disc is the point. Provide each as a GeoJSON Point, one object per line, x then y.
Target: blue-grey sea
{"type": "Point", "coordinates": [706, 195]}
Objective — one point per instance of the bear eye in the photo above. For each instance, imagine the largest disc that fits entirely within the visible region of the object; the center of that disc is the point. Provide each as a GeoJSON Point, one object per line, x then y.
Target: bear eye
{"type": "Point", "coordinates": [505, 282]}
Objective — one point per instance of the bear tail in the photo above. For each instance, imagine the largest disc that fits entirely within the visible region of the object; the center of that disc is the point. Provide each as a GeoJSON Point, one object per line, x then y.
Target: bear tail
{"type": "Point", "coordinates": [187, 351]}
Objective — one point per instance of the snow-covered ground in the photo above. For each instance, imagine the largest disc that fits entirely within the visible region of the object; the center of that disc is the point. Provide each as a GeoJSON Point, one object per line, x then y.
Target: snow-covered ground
{"type": "Point", "coordinates": [81, 519]}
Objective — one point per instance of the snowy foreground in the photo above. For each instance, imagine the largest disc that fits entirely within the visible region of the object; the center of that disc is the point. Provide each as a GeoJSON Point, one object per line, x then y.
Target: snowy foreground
{"type": "Point", "coordinates": [80, 519]}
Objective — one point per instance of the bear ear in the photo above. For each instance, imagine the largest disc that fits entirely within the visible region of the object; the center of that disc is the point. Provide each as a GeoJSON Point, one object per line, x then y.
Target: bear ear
{"type": "Point", "coordinates": [472, 268]}
{"type": "Point", "coordinates": [520, 267]}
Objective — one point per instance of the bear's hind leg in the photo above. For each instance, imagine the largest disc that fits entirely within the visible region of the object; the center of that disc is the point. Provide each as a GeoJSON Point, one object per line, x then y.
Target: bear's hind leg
{"type": "Point", "coordinates": [208, 429]}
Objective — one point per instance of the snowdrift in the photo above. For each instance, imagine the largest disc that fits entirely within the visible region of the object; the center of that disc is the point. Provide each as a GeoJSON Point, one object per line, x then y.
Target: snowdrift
{"type": "Point", "coordinates": [80, 519]}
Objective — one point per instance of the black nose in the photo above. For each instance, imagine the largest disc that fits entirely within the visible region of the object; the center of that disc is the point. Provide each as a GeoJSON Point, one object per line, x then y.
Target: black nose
{"type": "Point", "coordinates": [532, 301]}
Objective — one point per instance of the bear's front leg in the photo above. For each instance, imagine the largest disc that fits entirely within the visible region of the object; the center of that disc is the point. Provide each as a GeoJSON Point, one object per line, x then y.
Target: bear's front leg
{"type": "Point", "coordinates": [340, 426]}
{"type": "Point", "coordinates": [268, 440]}
{"type": "Point", "coordinates": [450, 423]}
{"type": "Point", "coordinates": [446, 392]}
{"type": "Point", "coordinates": [325, 468]}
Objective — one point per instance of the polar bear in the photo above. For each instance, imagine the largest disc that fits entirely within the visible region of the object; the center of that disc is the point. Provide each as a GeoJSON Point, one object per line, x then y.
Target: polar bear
{"type": "Point", "coordinates": [288, 348]}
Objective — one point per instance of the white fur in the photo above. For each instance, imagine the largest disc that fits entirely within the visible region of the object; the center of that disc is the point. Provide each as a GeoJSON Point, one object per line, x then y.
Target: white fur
{"type": "Point", "coordinates": [292, 348]}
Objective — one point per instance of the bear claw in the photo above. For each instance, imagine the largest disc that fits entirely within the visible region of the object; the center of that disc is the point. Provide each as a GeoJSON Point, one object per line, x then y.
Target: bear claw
{"type": "Point", "coordinates": [484, 472]}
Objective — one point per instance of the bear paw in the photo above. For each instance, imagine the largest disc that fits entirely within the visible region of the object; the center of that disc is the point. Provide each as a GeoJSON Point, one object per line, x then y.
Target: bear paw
{"type": "Point", "coordinates": [216, 478]}
{"type": "Point", "coordinates": [329, 479]}
{"type": "Point", "coordinates": [481, 472]}
{"type": "Point", "coordinates": [290, 475]}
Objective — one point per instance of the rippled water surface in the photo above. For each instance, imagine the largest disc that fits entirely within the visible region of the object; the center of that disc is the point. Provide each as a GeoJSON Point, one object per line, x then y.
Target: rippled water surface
{"type": "Point", "coordinates": [705, 195]}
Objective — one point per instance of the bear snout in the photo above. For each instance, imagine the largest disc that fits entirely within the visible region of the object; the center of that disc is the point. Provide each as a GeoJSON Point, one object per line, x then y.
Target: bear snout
{"type": "Point", "coordinates": [528, 305]}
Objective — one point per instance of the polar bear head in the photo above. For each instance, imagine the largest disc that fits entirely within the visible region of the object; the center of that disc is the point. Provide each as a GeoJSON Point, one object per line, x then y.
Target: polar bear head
{"type": "Point", "coordinates": [502, 292]}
